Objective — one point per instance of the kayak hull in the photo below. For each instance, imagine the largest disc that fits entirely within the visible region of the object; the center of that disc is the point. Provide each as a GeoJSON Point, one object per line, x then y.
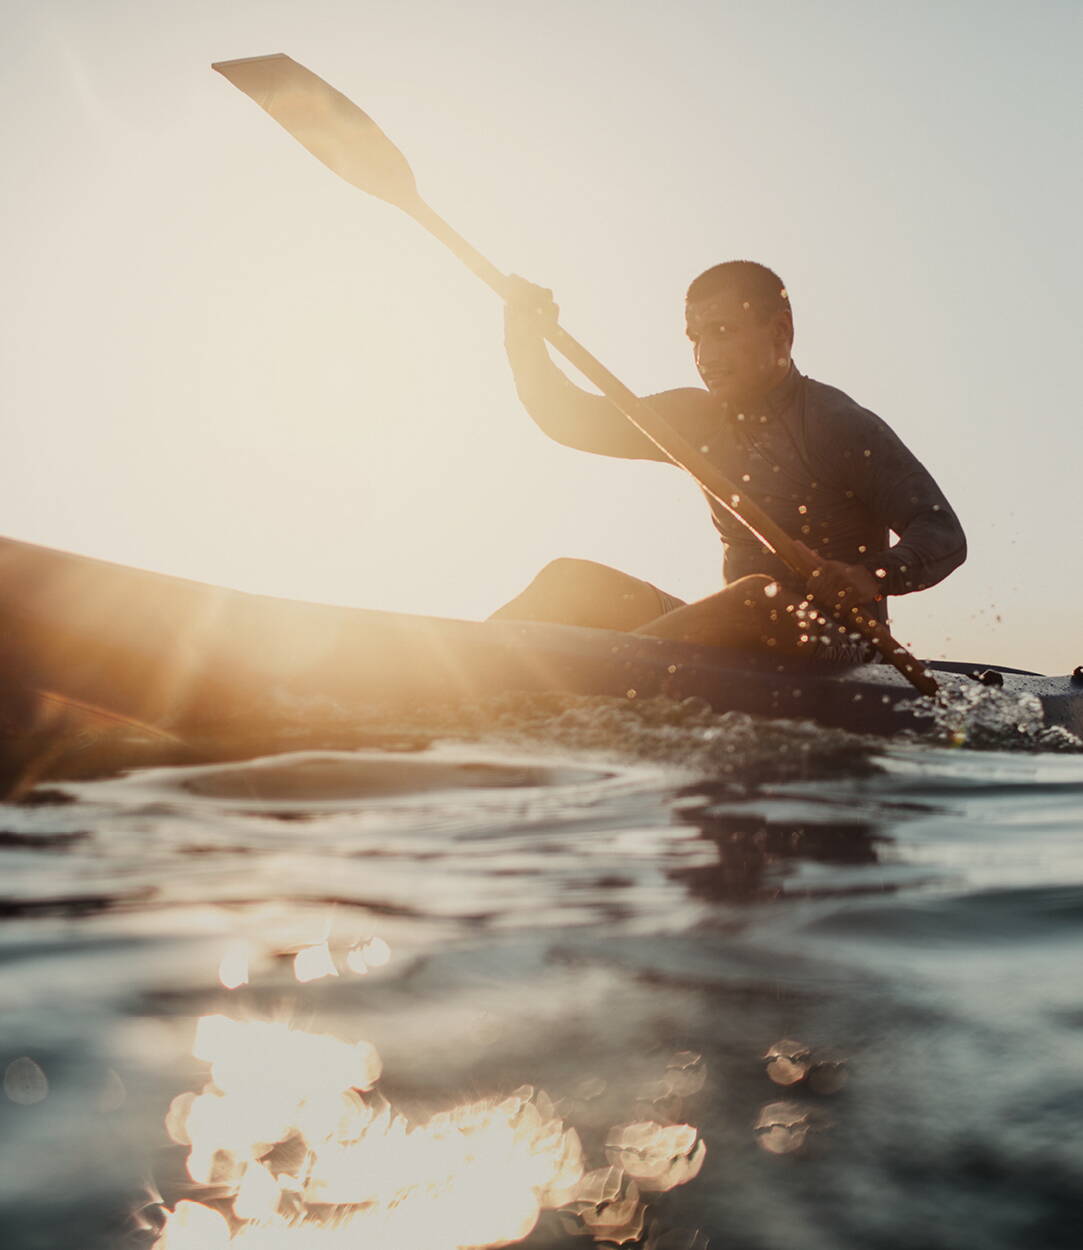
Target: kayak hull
{"type": "Point", "coordinates": [188, 657]}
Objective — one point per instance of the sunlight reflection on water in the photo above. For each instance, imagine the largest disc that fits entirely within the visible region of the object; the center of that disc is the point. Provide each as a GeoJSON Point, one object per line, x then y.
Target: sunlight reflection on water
{"type": "Point", "coordinates": [295, 1148]}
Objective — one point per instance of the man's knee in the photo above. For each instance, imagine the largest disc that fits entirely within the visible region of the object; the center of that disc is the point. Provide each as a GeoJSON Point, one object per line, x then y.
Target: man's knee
{"type": "Point", "coordinates": [755, 590]}
{"type": "Point", "coordinates": [584, 592]}
{"type": "Point", "coordinates": [569, 571]}
{"type": "Point", "coordinates": [751, 612]}
{"type": "Point", "coordinates": [561, 590]}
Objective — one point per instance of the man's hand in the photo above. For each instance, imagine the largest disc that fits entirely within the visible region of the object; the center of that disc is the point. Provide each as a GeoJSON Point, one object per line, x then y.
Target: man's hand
{"type": "Point", "coordinates": [529, 306]}
{"type": "Point", "coordinates": [833, 583]}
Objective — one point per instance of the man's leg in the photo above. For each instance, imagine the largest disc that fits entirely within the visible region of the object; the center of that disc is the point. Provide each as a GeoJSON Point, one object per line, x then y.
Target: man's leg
{"type": "Point", "coordinates": [753, 613]}
{"type": "Point", "coordinates": [580, 592]}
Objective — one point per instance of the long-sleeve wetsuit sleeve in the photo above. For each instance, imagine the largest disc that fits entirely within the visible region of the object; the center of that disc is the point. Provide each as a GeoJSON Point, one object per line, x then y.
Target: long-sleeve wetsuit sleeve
{"type": "Point", "coordinates": [901, 494]}
{"type": "Point", "coordinates": [580, 419]}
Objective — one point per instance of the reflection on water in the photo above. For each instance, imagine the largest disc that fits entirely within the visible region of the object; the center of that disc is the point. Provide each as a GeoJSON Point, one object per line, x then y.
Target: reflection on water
{"type": "Point", "coordinates": [290, 1144]}
{"type": "Point", "coordinates": [755, 854]}
{"type": "Point", "coordinates": [316, 779]}
{"type": "Point", "coordinates": [778, 987]}
{"type": "Point", "coordinates": [293, 1148]}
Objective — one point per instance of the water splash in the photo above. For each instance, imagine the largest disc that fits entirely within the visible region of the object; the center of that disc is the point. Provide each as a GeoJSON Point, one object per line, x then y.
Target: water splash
{"type": "Point", "coordinates": [687, 734]}
{"type": "Point", "coordinates": [968, 714]}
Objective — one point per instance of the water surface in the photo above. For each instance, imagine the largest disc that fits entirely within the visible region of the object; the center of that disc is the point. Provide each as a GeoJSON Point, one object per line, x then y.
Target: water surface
{"type": "Point", "coordinates": [838, 979]}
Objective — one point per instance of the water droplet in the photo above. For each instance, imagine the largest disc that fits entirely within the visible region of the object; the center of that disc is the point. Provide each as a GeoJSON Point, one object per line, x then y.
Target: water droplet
{"type": "Point", "coordinates": [113, 1093]}
{"type": "Point", "coordinates": [828, 1076]}
{"type": "Point", "coordinates": [233, 969]}
{"type": "Point", "coordinates": [314, 962]}
{"type": "Point", "coordinates": [24, 1082]}
{"type": "Point", "coordinates": [782, 1127]}
{"type": "Point", "coordinates": [787, 1062]}
{"type": "Point", "coordinates": [376, 952]}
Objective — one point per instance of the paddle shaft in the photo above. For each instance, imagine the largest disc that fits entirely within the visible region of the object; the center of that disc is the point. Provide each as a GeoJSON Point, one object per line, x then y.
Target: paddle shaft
{"type": "Point", "coordinates": [680, 452]}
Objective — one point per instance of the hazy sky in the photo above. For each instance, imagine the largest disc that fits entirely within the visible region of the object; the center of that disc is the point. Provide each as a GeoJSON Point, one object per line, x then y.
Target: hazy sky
{"type": "Point", "coordinates": [221, 361]}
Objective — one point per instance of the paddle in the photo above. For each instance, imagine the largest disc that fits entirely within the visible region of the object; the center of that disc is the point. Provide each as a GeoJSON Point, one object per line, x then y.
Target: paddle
{"type": "Point", "coordinates": [351, 145]}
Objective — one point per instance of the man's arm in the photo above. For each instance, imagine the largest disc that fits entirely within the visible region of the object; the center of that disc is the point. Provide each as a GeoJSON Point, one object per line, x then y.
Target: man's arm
{"type": "Point", "coordinates": [867, 459]}
{"type": "Point", "coordinates": [567, 413]}
{"type": "Point", "coordinates": [900, 492]}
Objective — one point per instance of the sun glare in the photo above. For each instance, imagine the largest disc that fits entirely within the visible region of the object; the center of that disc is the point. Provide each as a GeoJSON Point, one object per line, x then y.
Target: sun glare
{"type": "Point", "coordinates": [291, 1146]}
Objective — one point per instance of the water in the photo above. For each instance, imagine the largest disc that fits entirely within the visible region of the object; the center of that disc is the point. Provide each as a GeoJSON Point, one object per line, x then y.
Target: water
{"type": "Point", "coordinates": [832, 984]}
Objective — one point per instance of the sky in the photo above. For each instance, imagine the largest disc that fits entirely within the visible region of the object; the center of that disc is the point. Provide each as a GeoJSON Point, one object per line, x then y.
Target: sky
{"type": "Point", "coordinates": [221, 361]}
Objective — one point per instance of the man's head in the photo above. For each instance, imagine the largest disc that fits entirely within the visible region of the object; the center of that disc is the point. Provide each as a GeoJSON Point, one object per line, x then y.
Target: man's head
{"type": "Point", "coordinates": [740, 324]}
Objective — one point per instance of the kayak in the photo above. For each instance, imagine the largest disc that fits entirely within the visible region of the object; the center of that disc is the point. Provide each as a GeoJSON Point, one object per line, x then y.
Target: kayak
{"type": "Point", "coordinates": [187, 658]}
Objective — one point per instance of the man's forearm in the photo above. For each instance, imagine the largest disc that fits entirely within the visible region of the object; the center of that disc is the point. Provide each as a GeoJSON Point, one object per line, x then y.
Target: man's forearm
{"type": "Point", "coordinates": [930, 547]}
{"type": "Point", "coordinates": [564, 411]}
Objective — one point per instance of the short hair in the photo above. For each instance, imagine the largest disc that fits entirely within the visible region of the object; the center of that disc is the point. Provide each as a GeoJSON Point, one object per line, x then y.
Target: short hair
{"type": "Point", "coordinates": [762, 287]}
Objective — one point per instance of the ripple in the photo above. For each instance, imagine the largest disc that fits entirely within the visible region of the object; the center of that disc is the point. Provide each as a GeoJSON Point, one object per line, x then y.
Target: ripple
{"type": "Point", "coordinates": [337, 777]}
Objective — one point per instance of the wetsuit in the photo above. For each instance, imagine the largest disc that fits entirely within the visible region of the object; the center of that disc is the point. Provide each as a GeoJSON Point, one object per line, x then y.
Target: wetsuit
{"type": "Point", "coordinates": [828, 471]}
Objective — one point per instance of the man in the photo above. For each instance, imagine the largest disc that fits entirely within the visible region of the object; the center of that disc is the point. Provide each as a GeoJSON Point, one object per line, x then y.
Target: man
{"type": "Point", "coordinates": [834, 476]}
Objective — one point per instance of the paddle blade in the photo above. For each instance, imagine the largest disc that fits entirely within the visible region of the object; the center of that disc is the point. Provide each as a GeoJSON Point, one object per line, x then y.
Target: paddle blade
{"type": "Point", "coordinates": [333, 128]}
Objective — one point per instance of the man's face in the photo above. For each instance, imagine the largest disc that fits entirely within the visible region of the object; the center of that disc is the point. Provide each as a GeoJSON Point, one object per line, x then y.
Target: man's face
{"type": "Point", "coordinates": [739, 355]}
